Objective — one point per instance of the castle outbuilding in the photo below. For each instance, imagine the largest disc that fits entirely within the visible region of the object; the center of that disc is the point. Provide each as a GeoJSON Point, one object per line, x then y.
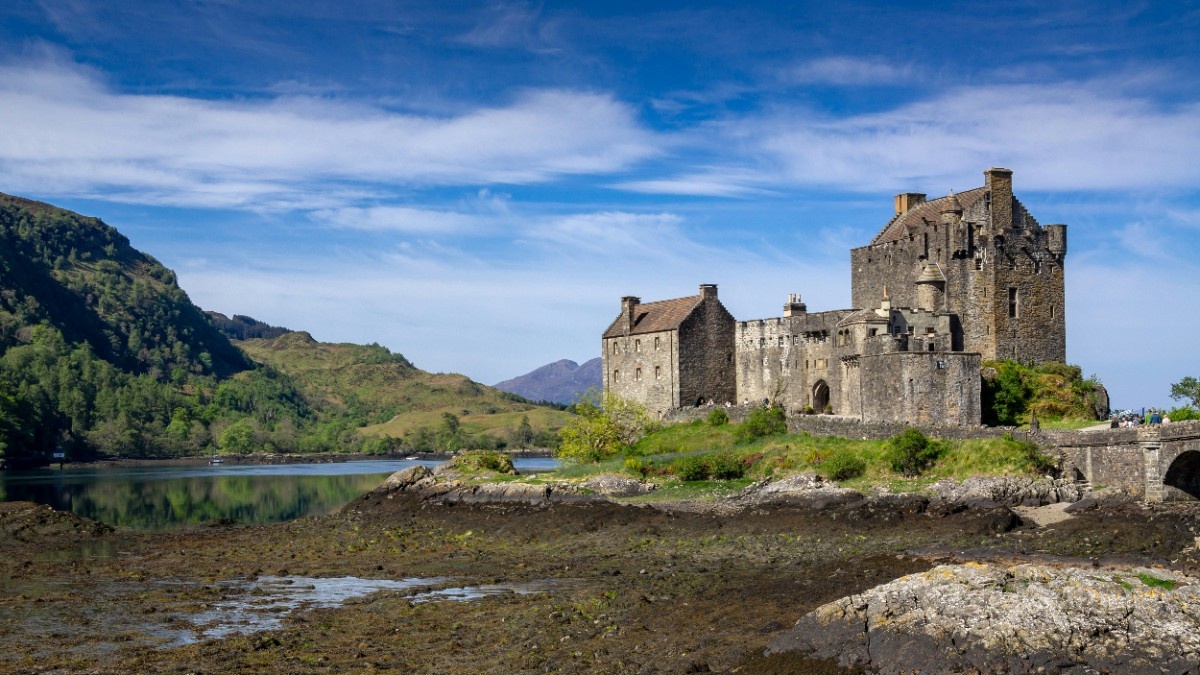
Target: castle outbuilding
{"type": "Point", "coordinates": [946, 284]}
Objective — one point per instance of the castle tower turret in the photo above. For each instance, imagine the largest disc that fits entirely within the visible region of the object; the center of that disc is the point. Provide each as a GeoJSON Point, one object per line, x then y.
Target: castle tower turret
{"type": "Point", "coordinates": [931, 288]}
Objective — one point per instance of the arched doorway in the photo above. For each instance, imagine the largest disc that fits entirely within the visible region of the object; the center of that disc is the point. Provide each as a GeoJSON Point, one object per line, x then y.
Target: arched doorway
{"type": "Point", "coordinates": [820, 396]}
{"type": "Point", "coordinates": [1184, 476]}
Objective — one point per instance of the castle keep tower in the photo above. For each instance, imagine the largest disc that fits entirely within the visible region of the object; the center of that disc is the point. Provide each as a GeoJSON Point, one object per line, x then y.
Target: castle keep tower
{"type": "Point", "coordinates": [1001, 272]}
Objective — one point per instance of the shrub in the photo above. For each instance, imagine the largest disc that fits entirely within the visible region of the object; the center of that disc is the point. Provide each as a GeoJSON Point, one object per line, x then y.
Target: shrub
{"type": "Point", "coordinates": [1183, 414]}
{"type": "Point", "coordinates": [637, 466]}
{"type": "Point", "coordinates": [483, 460]}
{"type": "Point", "coordinates": [765, 421]}
{"type": "Point", "coordinates": [691, 467]}
{"type": "Point", "coordinates": [910, 452]}
{"type": "Point", "coordinates": [718, 417]}
{"type": "Point", "coordinates": [724, 466]}
{"type": "Point", "coordinates": [843, 465]}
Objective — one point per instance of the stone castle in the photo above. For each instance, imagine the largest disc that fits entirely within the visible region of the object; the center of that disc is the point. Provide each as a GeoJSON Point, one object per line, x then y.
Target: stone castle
{"type": "Point", "coordinates": [946, 284]}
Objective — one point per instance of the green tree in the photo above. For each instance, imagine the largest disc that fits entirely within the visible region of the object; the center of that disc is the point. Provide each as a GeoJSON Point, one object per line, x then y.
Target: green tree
{"type": "Point", "coordinates": [1187, 389]}
{"type": "Point", "coordinates": [237, 438]}
{"type": "Point", "coordinates": [602, 429]}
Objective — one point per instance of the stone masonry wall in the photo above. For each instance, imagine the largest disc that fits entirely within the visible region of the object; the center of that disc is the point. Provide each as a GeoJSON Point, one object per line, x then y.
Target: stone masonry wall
{"type": "Point", "coordinates": [706, 355]}
{"type": "Point", "coordinates": [643, 368]}
{"type": "Point", "coordinates": [921, 388]}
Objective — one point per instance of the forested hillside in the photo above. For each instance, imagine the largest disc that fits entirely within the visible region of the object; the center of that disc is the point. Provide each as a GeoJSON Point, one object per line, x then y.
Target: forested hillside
{"type": "Point", "coordinates": [102, 354]}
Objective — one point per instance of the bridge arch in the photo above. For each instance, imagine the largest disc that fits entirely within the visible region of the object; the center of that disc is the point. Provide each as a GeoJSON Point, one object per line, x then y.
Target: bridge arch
{"type": "Point", "coordinates": [1183, 474]}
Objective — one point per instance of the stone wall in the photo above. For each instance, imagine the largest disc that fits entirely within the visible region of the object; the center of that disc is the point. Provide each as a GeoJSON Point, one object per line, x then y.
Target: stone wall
{"type": "Point", "coordinates": [706, 363]}
{"type": "Point", "coordinates": [643, 368]}
{"type": "Point", "coordinates": [920, 388]}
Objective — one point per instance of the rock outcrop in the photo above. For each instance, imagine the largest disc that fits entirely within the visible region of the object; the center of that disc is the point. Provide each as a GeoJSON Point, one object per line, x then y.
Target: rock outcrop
{"type": "Point", "coordinates": [976, 618]}
{"type": "Point", "coordinates": [808, 488]}
{"type": "Point", "coordinates": [1010, 490]}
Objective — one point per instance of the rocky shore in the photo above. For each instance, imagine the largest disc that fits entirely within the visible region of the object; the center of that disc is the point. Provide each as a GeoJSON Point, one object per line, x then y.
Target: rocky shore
{"type": "Point", "coordinates": [701, 586]}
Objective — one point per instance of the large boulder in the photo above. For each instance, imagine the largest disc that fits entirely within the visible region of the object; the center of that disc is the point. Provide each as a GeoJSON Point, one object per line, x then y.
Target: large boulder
{"type": "Point", "coordinates": [806, 488]}
{"type": "Point", "coordinates": [612, 485]}
{"type": "Point", "coordinates": [1010, 490]}
{"type": "Point", "coordinates": [1010, 619]}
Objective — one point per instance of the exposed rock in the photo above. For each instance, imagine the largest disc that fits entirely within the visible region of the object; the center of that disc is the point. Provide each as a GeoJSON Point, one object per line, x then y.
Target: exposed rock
{"type": "Point", "coordinates": [1011, 490]}
{"type": "Point", "coordinates": [1020, 619]}
{"type": "Point", "coordinates": [26, 521]}
{"type": "Point", "coordinates": [414, 476]}
{"type": "Point", "coordinates": [612, 485]}
{"type": "Point", "coordinates": [805, 487]}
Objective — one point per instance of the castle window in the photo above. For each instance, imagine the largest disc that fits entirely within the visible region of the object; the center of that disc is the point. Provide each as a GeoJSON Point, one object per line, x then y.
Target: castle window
{"type": "Point", "coordinates": [979, 263]}
{"type": "Point", "coordinates": [779, 342]}
{"type": "Point", "coordinates": [1051, 311]}
{"type": "Point", "coordinates": [657, 372]}
{"type": "Point", "coordinates": [616, 376]}
{"type": "Point", "coordinates": [1012, 302]}
{"type": "Point", "coordinates": [655, 344]}
{"type": "Point", "coordinates": [637, 375]}
{"type": "Point", "coordinates": [930, 346]}
{"type": "Point", "coordinates": [637, 345]}
{"type": "Point", "coordinates": [762, 342]}
{"type": "Point", "coordinates": [872, 332]}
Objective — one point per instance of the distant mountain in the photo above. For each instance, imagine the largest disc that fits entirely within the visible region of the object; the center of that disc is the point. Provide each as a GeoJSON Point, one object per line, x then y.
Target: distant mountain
{"type": "Point", "coordinates": [561, 382]}
{"type": "Point", "coordinates": [245, 328]}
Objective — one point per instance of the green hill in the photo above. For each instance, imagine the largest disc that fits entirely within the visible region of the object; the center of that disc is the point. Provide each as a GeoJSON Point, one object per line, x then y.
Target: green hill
{"type": "Point", "coordinates": [102, 354]}
{"type": "Point", "coordinates": [392, 399]}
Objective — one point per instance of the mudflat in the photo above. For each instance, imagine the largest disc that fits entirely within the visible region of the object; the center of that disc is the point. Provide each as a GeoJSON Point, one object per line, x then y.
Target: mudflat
{"type": "Point", "coordinates": [599, 587]}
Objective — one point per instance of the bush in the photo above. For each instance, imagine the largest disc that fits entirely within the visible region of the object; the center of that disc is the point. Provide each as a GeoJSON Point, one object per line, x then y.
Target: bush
{"type": "Point", "coordinates": [1183, 414]}
{"type": "Point", "coordinates": [724, 466]}
{"type": "Point", "coordinates": [691, 467]}
{"type": "Point", "coordinates": [718, 417]}
{"type": "Point", "coordinates": [843, 465]}
{"type": "Point", "coordinates": [910, 452]}
{"type": "Point", "coordinates": [483, 460]}
{"type": "Point", "coordinates": [635, 465]}
{"type": "Point", "coordinates": [765, 421]}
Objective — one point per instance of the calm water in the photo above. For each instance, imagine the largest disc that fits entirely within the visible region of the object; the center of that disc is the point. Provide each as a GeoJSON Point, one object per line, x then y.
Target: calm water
{"type": "Point", "coordinates": [164, 497]}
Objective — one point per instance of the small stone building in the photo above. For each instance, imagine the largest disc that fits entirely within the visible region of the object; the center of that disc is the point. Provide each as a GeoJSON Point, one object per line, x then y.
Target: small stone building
{"type": "Point", "coordinates": [671, 353]}
{"type": "Point", "coordinates": [946, 284]}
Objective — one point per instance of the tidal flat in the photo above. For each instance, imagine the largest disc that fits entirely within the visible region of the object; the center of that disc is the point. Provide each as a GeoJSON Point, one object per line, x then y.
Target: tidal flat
{"type": "Point", "coordinates": [588, 587]}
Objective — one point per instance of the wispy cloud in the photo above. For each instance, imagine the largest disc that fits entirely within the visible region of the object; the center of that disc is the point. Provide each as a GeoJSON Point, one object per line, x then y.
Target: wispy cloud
{"type": "Point", "coordinates": [847, 71]}
{"type": "Point", "coordinates": [63, 123]}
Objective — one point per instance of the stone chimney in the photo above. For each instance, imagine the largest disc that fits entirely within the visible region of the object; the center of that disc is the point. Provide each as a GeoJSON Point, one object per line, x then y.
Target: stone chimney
{"type": "Point", "coordinates": [885, 306]}
{"type": "Point", "coordinates": [1000, 195]}
{"type": "Point", "coordinates": [907, 200]}
{"type": "Point", "coordinates": [629, 305]}
{"type": "Point", "coordinates": [1056, 239]}
{"type": "Point", "coordinates": [794, 306]}
{"type": "Point", "coordinates": [708, 291]}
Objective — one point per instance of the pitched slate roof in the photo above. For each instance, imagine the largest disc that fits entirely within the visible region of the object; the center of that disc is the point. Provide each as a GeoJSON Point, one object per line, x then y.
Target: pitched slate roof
{"type": "Point", "coordinates": [931, 211]}
{"type": "Point", "coordinates": [653, 317]}
{"type": "Point", "coordinates": [864, 316]}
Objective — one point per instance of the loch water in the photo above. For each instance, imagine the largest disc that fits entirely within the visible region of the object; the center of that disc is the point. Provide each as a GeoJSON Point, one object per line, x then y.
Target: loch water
{"type": "Point", "coordinates": [162, 497]}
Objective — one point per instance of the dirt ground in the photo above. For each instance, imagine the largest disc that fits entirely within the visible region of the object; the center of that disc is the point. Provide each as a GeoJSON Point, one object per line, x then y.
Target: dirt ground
{"type": "Point", "coordinates": [640, 589]}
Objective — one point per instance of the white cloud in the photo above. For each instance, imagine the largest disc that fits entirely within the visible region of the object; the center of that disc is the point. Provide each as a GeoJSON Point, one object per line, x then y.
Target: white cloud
{"type": "Point", "coordinates": [61, 123]}
{"type": "Point", "coordinates": [1061, 137]}
{"type": "Point", "coordinates": [399, 219]}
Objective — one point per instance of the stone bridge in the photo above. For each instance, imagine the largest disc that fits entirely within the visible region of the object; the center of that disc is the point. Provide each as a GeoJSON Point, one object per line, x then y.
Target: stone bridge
{"type": "Point", "coordinates": [1157, 463]}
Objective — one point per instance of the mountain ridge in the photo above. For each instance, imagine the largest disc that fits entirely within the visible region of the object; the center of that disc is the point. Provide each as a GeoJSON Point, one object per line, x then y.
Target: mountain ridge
{"type": "Point", "coordinates": [562, 381]}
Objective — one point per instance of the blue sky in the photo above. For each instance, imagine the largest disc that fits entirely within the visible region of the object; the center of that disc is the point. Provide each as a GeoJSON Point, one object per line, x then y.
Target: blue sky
{"type": "Point", "coordinates": [475, 185]}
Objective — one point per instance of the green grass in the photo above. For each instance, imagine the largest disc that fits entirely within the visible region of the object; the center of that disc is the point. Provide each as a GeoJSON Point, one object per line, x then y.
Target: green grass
{"type": "Point", "coordinates": [1155, 582]}
{"type": "Point", "coordinates": [785, 454]}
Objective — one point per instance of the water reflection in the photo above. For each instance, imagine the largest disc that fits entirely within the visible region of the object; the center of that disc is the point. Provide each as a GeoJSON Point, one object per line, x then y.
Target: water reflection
{"type": "Point", "coordinates": [168, 496]}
